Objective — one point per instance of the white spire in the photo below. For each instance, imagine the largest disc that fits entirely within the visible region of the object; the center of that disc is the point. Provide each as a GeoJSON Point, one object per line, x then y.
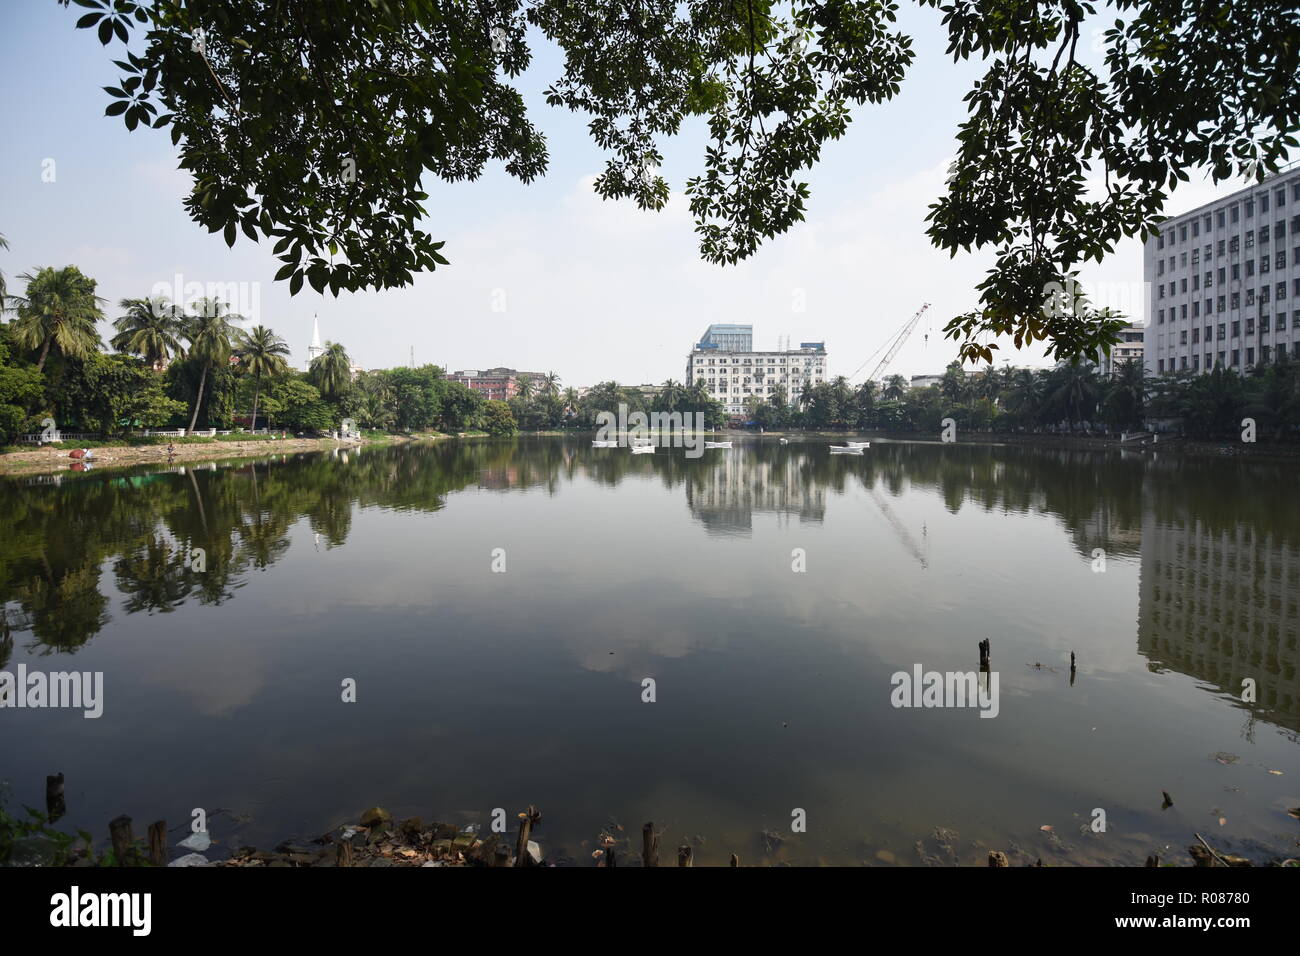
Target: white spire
{"type": "Point", "coordinates": [314, 350]}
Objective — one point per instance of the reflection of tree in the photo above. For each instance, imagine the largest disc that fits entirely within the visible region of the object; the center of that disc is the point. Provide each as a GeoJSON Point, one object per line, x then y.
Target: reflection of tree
{"type": "Point", "coordinates": [55, 538]}
{"type": "Point", "coordinates": [153, 577]}
{"type": "Point", "coordinates": [66, 609]}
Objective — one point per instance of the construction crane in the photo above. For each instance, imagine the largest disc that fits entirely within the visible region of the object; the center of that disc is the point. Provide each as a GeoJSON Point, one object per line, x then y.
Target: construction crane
{"type": "Point", "coordinates": [892, 346]}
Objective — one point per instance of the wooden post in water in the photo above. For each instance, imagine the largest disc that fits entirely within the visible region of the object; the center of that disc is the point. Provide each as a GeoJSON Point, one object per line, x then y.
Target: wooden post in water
{"type": "Point", "coordinates": [649, 845]}
{"type": "Point", "coordinates": [158, 843]}
{"type": "Point", "coordinates": [527, 820]}
{"type": "Point", "coordinates": [1071, 668]}
{"type": "Point", "coordinates": [55, 805]}
{"type": "Point", "coordinates": [685, 855]}
{"type": "Point", "coordinates": [119, 831]}
{"type": "Point", "coordinates": [735, 860]}
{"type": "Point", "coordinates": [985, 654]}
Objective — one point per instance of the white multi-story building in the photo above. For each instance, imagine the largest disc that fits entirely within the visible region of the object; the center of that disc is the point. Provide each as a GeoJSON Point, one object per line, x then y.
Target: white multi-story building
{"type": "Point", "coordinates": [1131, 345]}
{"type": "Point", "coordinates": [735, 377]}
{"type": "Point", "coordinates": [1223, 281]}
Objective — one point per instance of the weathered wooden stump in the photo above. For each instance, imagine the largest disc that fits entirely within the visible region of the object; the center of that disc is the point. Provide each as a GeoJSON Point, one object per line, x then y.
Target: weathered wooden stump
{"type": "Point", "coordinates": [649, 845]}
{"type": "Point", "coordinates": [158, 843]}
{"type": "Point", "coordinates": [55, 805]}
{"type": "Point", "coordinates": [119, 831]}
{"type": "Point", "coordinates": [685, 855]}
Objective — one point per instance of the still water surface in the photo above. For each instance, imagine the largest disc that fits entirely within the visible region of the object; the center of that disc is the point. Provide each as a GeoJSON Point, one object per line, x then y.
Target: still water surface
{"type": "Point", "coordinates": [479, 689]}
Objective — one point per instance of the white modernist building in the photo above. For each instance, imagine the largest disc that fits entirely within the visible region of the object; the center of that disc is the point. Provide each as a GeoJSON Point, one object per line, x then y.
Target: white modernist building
{"type": "Point", "coordinates": [1223, 281]}
{"type": "Point", "coordinates": [733, 377]}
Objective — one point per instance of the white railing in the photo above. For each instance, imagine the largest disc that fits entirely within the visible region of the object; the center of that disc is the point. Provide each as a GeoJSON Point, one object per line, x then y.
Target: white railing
{"type": "Point", "coordinates": [41, 438]}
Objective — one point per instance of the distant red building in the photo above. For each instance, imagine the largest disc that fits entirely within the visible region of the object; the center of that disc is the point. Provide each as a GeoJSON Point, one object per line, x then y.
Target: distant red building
{"type": "Point", "coordinates": [493, 383]}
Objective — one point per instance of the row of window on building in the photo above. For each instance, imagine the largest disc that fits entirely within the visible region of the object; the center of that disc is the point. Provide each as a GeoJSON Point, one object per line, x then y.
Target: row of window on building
{"type": "Point", "coordinates": [1228, 358]}
{"type": "Point", "coordinates": [1277, 259]}
{"type": "Point", "coordinates": [1231, 215]}
{"type": "Point", "coordinates": [1230, 302]}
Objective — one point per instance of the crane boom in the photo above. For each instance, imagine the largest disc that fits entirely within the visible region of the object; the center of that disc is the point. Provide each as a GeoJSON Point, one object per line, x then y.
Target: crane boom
{"type": "Point", "coordinates": [897, 344]}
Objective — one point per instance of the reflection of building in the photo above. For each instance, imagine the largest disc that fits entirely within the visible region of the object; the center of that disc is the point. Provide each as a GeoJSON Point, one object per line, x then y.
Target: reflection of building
{"type": "Point", "coordinates": [725, 495]}
{"type": "Point", "coordinates": [1220, 605]}
{"type": "Point", "coordinates": [734, 374]}
{"type": "Point", "coordinates": [1218, 281]}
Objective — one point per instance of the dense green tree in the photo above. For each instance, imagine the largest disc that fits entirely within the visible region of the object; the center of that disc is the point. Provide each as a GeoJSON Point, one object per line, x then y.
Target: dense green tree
{"type": "Point", "coordinates": [22, 392]}
{"type": "Point", "coordinates": [1125, 403]}
{"type": "Point", "coordinates": [297, 405]}
{"type": "Point", "coordinates": [498, 419]}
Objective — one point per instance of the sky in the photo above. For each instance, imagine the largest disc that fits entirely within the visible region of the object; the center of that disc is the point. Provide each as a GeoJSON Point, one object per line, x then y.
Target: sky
{"type": "Point", "coordinates": [543, 277]}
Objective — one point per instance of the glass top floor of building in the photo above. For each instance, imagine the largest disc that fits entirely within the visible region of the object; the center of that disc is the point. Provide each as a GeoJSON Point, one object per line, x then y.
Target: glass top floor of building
{"type": "Point", "coordinates": [728, 338]}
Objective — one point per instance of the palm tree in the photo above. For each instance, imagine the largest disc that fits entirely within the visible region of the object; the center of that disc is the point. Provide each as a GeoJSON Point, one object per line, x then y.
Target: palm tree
{"type": "Point", "coordinates": [150, 329]}
{"type": "Point", "coordinates": [1077, 391]}
{"type": "Point", "coordinates": [59, 311]}
{"type": "Point", "coordinates": [571, 400]}
{"type": "Point", "coordinates": [209, 332]}
{"type": "Point", "coordinates": [895, 387]}
{"type": "Point", "coordinates": [262, 352]}
{"type": "Point", "coordinates": [524, 388]}
{"type": "Point", "coordinates": [1127, 394]}
{"type": "Point", "coordinates": [332, 370]}
{"type": "Point", "coordinates": [376, 399]}
{"type": "Point", "coordinates": [671, 394]}
{"type": "Point", "coordinates": [550, 384]}
{"type": "Point", "coordinates": [1026, 396]}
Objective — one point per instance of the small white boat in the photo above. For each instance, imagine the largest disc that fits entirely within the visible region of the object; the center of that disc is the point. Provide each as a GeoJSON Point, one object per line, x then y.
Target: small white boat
{"type": "Point", "coordinates": [859, 444]}
{"type": "Point", "coordinates": [847, 450]}
{"type": "Point", "coordinates": [642, 449]}
{"type": "Point", "coordinates": [784, 441]}
{"type": "Point", "coordinates": [717, 444]}
{"type": "Point", "coordinates": [604, 444]}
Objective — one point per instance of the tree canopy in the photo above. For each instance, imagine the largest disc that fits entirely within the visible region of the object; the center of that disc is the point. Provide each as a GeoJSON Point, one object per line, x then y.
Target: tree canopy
{"type": "Point", "coordinates": [313, 124]}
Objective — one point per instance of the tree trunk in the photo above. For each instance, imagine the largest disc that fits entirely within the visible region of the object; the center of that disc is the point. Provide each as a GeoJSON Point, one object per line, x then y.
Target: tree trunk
{"type": "Point", "coordinates": [257, 388]}
{"type": "Point", "coordinates": [203, 379]}
{"type": "Point", "coordinates": [45, 352]}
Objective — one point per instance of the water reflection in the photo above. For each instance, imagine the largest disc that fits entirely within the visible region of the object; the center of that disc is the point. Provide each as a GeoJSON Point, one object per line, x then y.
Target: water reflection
{"type": "Point", "coordinates": [626, 566]}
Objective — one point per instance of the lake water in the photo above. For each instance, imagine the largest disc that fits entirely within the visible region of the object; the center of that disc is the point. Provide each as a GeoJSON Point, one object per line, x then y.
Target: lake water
{"type": "Point", "coordinates": [479, 688]}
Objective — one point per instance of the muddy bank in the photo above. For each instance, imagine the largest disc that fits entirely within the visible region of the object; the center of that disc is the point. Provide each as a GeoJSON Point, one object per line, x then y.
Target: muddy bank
{"type": "Point", "coordinates": [51, 460]}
